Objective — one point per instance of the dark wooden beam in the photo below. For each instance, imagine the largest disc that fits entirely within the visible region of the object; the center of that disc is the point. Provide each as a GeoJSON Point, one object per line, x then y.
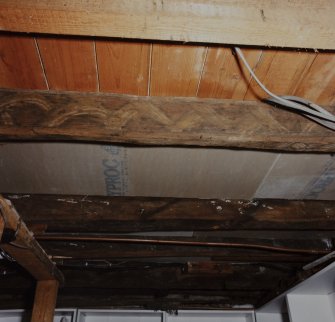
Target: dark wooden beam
{"type": "Point", "coordinates": [22, 246]}
{"type": "Point", "coordinates": [97, 214]}
{"type": "Point", "coordinates": [284, 23]}
{"type": "Point", "coordinates": [180, 284]}
{"type": "Point", "coordinates": [134, 299]}
{"type": "Point", "coordinates": [29, 115]}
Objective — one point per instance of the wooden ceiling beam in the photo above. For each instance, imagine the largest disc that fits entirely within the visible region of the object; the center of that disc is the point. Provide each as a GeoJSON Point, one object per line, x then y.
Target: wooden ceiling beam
{"type": "Point", "coordinates": [285, 23]}
{"type": "Point", "coordinates": [35, 115]}
{"type": "Point", "coordinates": [66, 213]}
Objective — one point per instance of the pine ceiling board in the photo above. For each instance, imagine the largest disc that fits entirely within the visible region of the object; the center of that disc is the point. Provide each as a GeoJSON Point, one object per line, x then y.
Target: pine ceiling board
{"type": "Point", "coordinates": [318, 84]}
{"type": "Point", "coordinates": [20, 66]}
{"type": "Point", "coordinates": [69, 63]}
{"type": "Point", "coordinates": [123, 66]}
{"type": "Point", "coordinates": [223, 76]}
{"type": "Point", "coordinates": [280, 72]}
{"type": "Point", "coordinates": [285, 23]}
{"type": "Point", "coordinates": [176, 69]}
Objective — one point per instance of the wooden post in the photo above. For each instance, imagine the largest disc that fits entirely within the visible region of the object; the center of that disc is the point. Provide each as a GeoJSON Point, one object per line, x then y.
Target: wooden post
{"type": "Point", "coordinates": [45, 301]}
{"type": "Point", "coordinates": [24, 248]}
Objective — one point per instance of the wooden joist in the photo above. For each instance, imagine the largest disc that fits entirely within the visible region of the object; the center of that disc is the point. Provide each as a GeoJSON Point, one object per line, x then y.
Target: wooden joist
{"type": "Point", "coordinates": [32, 115]}
{"type": "Point", "coordinates": [265, 23]}
{"type": "Point", "coordinates": [88, 237]}
{"type": "Point", "coordinates": [85, 214]}
{"type": "Point", "coordinates": [24, 248]}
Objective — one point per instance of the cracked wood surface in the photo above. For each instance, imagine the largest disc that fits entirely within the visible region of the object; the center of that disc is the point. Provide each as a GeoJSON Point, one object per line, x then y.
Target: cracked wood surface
{"type": "Point", "coordinates": [65, 213]}
{"type": "Point", "coordinates": [35, 115]}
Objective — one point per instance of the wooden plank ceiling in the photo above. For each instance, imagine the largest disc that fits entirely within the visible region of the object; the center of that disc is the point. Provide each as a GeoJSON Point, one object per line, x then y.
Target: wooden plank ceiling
{"type": "Point", "coordinates": [161, 69]}
{"type": "Point", "coordinates": [167, 276]}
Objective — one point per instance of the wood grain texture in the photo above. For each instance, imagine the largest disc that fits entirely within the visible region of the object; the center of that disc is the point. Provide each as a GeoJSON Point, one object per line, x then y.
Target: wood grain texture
{"type": "Point", "coordinates": [28, 253]}
{"type": "Point", "coordinates": [176, 69]}
{"type": "Point", "coordinates": [165, 121]}
{"type": "Point", "coordinates": [171, 276]}
{"type": "Point", "coordinates": [123, 67]}
{"type": "Point", "coordinates": [20, 66]}
{"type": "Point", "coordinates": [69, 63]}
{"type": "Point", "coordinates": [130, 214]}
{"type": "Point", "coordinates": [224, 76]}
{"type": "Point", "coordinates": [45, 301]}
{"type": "Point", "coordinates": [285, 23]}
{"type": "Point", "coordinates": [318, 83]}
{"type": "Point", "coordinates": [280, 72]}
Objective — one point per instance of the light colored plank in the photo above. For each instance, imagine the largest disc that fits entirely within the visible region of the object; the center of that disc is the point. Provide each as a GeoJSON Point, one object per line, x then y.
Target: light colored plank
{"type": "Point", "coordinates": [45, 301]}
{"type": "Point", "coordinates": [123, 67]}
{"type": "Point", "coordinates": [158, 121]}
{"type": "Point", "coordinates": [318, 84]}
{"type": "Point", "coordinates": [224, 76]}
{"type": "Point", "coordinates": [284, 23]}
{"type": "Point", "coordinates": [280, 72]}
{"type": "Point", "coordinates": [20, 66]}
{"type": "Point", "coordinates": [176, 69]}
{"type": "Point", "coordinates": [69, 63]}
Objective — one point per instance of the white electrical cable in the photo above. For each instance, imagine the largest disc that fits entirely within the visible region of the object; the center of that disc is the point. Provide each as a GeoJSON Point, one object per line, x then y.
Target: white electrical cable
{"type": "Point", "coordinates": [303, 106]}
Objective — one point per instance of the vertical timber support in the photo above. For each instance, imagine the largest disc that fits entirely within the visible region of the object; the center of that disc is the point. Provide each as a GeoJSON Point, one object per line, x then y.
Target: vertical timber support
{"type": "Point", "coordinates": [19, 242]}
{"type": "Point", "coordinates": [45, 301]}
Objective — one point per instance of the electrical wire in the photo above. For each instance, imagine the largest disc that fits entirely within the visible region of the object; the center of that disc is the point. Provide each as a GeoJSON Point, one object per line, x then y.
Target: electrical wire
{"type": "Point", "coordinates": [179, 243]}
{"type": "Point", "coordinates": [307, 108]}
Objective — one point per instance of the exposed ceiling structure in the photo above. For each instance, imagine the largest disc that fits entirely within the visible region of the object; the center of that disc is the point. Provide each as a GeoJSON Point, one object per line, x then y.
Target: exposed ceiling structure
{"type": "Point", "coordinates": [176, 121]}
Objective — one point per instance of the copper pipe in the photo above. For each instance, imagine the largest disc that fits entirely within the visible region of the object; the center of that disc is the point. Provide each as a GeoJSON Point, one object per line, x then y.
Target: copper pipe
{"type": "Point", "coordinates": [180, 243]}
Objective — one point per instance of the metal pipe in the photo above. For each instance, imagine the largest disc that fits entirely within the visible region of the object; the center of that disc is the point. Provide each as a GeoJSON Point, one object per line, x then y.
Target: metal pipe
{"type": "Point", "coordinates": [179, 243]}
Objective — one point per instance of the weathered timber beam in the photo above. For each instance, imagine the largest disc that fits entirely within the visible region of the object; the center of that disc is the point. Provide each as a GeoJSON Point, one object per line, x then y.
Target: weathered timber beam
{"type": "Point", "coordinates": [97, 214]}
{"type": "Point", "coordinates": [32, 115]}
{"type": "Point", "coordinates": [181, 277]}
{"type": "Point", "coordinates": [24, 248]}
{"type": "Point", "coordinates": [148, 299]}
{"type": "Point", "coordinates": [45, 301]}
{"type": "Point", "coordinates": [265, 23]}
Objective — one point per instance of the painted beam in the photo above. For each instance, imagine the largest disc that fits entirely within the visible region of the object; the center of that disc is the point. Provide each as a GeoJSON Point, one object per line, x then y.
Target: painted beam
{"type": "Point", "coordinates": [285, 23]}
{"type": "Point", "coordinates": [35, 115]}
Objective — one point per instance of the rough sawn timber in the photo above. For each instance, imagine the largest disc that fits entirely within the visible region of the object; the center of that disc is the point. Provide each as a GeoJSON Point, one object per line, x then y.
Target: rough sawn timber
{"type": "Point", "coordinates": [65, 213]}
{"type": "Point", "coordinates": [285, 23]}
{"type": "Point", "coordinates": [37, 115]}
